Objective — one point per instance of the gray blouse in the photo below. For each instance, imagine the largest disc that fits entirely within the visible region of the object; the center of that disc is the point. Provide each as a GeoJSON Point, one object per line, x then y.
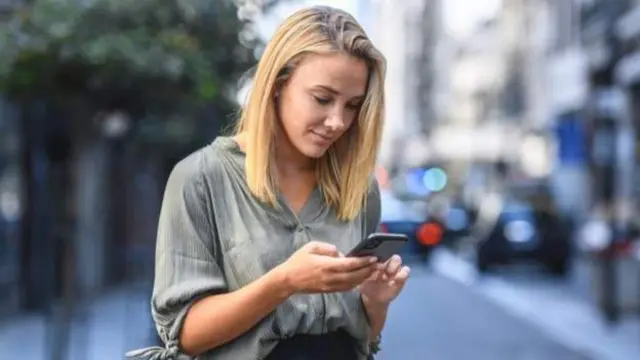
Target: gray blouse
{"type": "Point", "coordinates": [214, 236]}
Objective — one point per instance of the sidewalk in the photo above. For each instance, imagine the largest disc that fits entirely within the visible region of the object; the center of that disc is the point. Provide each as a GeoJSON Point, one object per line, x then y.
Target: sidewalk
{"type": "Point", "coordinates": [570, 320]}
{"type": "Point", "coordinates": [115, 324]}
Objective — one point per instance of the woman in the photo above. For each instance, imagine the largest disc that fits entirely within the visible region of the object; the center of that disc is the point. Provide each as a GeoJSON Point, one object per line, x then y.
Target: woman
{"type": "Point", "coordinates": [249, 260]}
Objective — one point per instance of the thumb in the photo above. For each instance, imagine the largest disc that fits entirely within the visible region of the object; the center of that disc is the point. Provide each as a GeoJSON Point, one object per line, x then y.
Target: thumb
{"type": "Point", "coordinates": [322, 248]}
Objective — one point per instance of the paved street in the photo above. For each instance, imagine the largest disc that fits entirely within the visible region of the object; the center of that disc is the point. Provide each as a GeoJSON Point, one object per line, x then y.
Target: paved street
{"type": "Point", "coordinates": [562, 308]}
{"type": "Point", "coordinates": [437, 318]}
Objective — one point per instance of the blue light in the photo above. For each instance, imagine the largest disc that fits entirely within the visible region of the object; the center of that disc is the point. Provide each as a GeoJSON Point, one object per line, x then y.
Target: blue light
{"type": "Point", "coordinates": [415, 184]}
{"type": "Point", "coordinates": [435, 179]}
{"type": "Point", "coordinates": [457, 219]}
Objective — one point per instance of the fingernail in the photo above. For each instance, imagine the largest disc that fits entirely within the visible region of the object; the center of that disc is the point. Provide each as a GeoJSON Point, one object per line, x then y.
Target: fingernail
{"type": "Point", "coordinates": [373, 259]}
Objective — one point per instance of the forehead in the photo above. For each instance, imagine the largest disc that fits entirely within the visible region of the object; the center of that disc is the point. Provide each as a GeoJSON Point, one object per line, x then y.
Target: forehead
{"type": "Point", "coordinates": [344, 73]}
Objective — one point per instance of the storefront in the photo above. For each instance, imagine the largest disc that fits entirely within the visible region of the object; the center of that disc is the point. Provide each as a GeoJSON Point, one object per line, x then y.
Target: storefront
{"type": "Point", "coordinates": [627, 75]}
{"type": "Point", "coordinates": [609, 138]}
{"type": "Point", "coordinates": [11, 205]}
{"type": "Point", "coordinates": [568, 94]}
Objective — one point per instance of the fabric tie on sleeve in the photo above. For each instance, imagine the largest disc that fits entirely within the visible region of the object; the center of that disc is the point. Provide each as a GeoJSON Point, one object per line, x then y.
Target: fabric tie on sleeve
{"type": "Point", "coordinates": [171, 352]}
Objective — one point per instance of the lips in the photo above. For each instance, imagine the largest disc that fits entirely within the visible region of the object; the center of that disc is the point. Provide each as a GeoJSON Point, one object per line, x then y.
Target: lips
{"type": "Point", "coordinates": [322, 137]}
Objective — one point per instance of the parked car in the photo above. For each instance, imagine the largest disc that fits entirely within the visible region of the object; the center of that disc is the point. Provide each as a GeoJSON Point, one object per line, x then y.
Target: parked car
{"type": "Point", "coordinates": [519, 230]}
{"type": "Point", "coordinates": [455, 218]}
{"type": "Point", "coordinates": [410, 217]}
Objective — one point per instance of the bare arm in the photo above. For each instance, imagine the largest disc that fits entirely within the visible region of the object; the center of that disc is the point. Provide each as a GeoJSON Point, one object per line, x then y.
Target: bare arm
{"type": "Point", "coordinates": [377, 316]}
{"type": "Point", "coordinates": [218, 319]}
{"type": "Point", "coordinates": [314, 268]}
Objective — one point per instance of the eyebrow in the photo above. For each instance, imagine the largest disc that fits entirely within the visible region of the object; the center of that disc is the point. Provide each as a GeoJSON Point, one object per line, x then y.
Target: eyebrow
{"type": "Point", "coordinates": [336, 92]}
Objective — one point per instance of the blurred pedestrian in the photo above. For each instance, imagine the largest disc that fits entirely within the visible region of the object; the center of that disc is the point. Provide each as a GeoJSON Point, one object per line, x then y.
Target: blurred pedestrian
{"type": "Point", "coordinates": [249, 258]}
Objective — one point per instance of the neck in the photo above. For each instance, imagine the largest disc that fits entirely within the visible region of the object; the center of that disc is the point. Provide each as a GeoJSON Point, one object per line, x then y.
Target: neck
{"type": "Point", "coordinates": [289, 161]}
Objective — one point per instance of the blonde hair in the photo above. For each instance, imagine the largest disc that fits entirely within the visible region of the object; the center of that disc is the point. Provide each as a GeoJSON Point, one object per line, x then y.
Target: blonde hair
{"type": "Point", "coordinates": [344, 172]}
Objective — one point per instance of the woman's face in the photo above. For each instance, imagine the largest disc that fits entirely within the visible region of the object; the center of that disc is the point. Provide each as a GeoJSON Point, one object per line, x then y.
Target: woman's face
{"type": "Point", "coordinates": [321, 100]}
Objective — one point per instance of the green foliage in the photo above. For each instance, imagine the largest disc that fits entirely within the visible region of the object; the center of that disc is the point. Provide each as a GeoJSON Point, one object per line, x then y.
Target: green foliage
{"type": "Point", "coordinates": [141, 56]}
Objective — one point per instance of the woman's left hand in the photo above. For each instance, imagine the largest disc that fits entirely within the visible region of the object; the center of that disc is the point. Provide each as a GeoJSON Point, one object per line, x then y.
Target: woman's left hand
{"type": "Point", "coordinates": [386, 283]}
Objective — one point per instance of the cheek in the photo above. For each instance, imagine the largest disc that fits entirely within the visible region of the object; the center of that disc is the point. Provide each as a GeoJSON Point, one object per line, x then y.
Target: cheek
{"type": "Point", "coordinates": [287, 110]}
{"type": "Point", "coordinates": [298, 114]}
{"type": "Point", "coordinates": [351, 117]}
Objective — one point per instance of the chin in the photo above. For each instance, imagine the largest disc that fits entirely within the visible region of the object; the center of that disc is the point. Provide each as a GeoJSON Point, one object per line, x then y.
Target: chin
{"type": "Point", "coordinates": [313, 151]}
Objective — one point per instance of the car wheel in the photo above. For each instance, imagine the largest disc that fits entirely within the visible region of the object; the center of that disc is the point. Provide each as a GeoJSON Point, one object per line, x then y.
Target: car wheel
{"type": "Point", "coordinates": [558, 267]}
{"type": "Point", "coordinates": [425, 254]}
{"type": "Point", "coordinates": [483, 264]}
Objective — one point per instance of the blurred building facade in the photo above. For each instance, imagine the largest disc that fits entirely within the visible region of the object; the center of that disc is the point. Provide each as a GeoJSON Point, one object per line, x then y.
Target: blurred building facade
{"type": "Point", "coordinates": [627, 76]}
{"type": "Point", "coordinates": [68, 227]}
{"type": "Point", "coordinates": [391, 36]}
{"type": "Point", "coordinates": [411, 34]}
{"type": "Point", "coordinates": [552, 87]}
{"type": "Point", "coordinates": [11, 199]}
{"type": "Point", "coordinates": [567, 83]}
{"type": "Point", "coordinates": [577, 65]}
{"type": "Point", "coordinates": [476, 76]}
{"type": "Point", "coordinates": [10, 207]}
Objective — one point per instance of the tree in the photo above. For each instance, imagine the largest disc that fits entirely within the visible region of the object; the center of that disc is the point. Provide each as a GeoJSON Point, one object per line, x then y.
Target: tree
{"type": "Point", "coordinates": [152, 59]}
{"type": "Point", "coordinates": [162, 63]}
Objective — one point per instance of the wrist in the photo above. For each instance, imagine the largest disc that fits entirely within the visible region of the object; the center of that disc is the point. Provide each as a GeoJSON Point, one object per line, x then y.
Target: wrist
{"type": "Point", "coordinates": [373, 305]}
{"type": "Point", "coordinates": [376, 315]}
{"type": "Point", "coordinates": [281, 282]}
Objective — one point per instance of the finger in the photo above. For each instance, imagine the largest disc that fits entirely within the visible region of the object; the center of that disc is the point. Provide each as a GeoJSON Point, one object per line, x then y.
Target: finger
{"type": "Point", "coordinates": [394, 264]}
{"type": "Point", "coordinates": [322, 248]}
{"type": "Point", "coordinates": [404, 273]}
{"type": "Point", "coordinates": [401, 277]}
{"type": "Point", "coordinates": [386, 264]}
{"type": "Point", "coordinates": [354, 278]}
{"type": "Point", "coordinates": [375, 275]}
{"type": "Point", "coordinates": [350, 264]}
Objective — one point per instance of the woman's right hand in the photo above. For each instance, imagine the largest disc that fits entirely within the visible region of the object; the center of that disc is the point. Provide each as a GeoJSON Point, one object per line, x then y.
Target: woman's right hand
{"type": "Point", "coordinates": [319, 267]}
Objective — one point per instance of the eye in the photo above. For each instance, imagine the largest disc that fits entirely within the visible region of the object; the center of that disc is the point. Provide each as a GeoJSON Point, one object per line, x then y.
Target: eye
{"type": "Point", "coordinates": [322, 100]}
{"type": "Point", "coordinates": [354, 106]}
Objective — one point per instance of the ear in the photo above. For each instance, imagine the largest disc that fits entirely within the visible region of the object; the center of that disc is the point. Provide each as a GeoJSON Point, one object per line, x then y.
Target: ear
{"type": "Point", "coordinates": [276, 98]}
{"type": "Point", "coordinates": [278, 88]}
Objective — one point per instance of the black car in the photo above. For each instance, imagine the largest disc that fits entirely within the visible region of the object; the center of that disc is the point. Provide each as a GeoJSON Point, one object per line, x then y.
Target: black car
{"type": "Point", "coordinates": [522, 232]}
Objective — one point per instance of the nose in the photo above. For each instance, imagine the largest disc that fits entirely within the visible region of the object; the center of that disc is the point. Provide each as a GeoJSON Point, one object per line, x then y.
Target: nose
{"type": "Point", "coordinates": [335, 121]}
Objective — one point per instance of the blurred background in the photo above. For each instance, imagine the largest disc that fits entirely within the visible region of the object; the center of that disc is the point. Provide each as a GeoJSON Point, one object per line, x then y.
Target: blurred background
{"type": "Point", "coordinates": [510, 158]}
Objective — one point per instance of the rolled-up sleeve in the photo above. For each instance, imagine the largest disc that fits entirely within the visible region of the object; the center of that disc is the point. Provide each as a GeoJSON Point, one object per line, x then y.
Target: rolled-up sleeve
{"type": "Point", "coordinates": [187, 259]}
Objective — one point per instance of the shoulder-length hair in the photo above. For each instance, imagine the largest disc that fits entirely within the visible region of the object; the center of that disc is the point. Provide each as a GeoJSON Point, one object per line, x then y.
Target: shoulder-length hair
{"type": "Point", "coordinates": [344, 172]}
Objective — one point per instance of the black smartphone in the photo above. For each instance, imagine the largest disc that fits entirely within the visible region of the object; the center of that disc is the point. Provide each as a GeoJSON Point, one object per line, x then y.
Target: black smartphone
{"type": "Point", "coordinates": [381, 245]}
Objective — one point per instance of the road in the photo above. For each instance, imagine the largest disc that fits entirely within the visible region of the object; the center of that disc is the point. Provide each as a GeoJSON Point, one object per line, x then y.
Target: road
{"type": "Point", "coordinates": [562, 308]}
{"type": "Point", "coordinates": [437, 318]}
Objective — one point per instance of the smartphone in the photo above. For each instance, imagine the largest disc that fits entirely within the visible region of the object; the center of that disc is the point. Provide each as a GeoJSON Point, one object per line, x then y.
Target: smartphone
{"type": "Point", "coordinates": [381, 245]}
